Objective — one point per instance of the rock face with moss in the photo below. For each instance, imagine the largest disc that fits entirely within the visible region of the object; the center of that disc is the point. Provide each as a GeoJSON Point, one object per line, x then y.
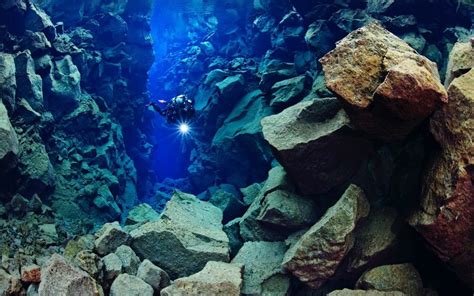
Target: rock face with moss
{"type": "Point", "coordinates": [190, 234]}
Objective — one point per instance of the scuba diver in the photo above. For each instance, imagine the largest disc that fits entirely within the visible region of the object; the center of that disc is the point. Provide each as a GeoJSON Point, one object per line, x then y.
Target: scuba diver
{"type": "Point", "coordinates": [179, 109]}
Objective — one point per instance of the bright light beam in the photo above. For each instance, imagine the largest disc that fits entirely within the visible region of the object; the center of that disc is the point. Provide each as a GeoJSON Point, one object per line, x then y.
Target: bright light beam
{"type": "Point", "coordinates": [184, 128]}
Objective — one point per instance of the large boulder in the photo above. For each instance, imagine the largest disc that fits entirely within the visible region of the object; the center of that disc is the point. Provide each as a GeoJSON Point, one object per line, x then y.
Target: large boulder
{"type": "Point", "coordinates": [7, 80]}
{"type": "Point", "coordinates": [387, 88]}
{"type": "Point", "coordinates": [315, 257]}
{"type": "Point", "coordinates": [445, 217]}
{"type": "Point", "coordinates": [400, 277]}
{"type": "Point", "coordinates": [217, 278]}
{"type": "Point", "coordinates": [59, 277]}
{"type": "Point", "coordinates": [461, 60]}
{"type": "Point", "coordinates": [263, 274]}
{"type": "Point", "coordinates": [316, 144]}
{"type": "Point", "coordinates": [189, 233]}
{"type": "Point", "coordinates": [9, 147]}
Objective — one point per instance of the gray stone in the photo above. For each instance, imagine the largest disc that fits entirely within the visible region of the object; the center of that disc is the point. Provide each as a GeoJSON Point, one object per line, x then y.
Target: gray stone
{"type": "Point", "coordinates": [461, 60]}
{"type": "Point", "coordinates": [315, 257]}
{"type": "Point", "coordinates": [129, 285]}
{"type": "Point", "coordinates": [153, 275]}
{"type": "Point", "coordinates": [232, 229]}
{"type": "Point", "coordinates": [35, 167]}
{"type": "Point", "coordinates": [379, 6]}
{"type": "Point", "coordinates": [105, 201]}
{"type": "Point", "coordinates": [231, 86]}
{"type": "Point", "coordinates": [36, 42]}
{"type": "Point", "coordinates": [112, 266]}
{"type": "Point", "coordinates": [60, 278]}
{"type": "Point", "coordinates": [288, 92]}
{"type": "Point", "coordinates": [141, 214]}
{"type": "Point", "coordinates": [62, 86]}
{"type": "Point", "coordinates": [242, 154]}
{"type": "Point", "coordinates": [30, 85]}
{"type": "Point", "coordinates": [316, 144]}
{"type": "Point", "coordinates": [230, 204]}
{"type": "Point", "coordinates": [190, 234]}
{"type": "Point", "coordinates": [49, 233]}
{"type": "Point", "coordinates": [263, 274]}
{"type": "Point", "coordinates": [9, 284]}
{"type": "Point", "coordinates": [130, 260]}
{"type": "Point", "coordinates": [376, 240]}
{"type": "Point", "coordinates": [9, 147]}
{"type": "Point", "coordinates": [250, 193]}
{"type": "Point", "coordinates": [288, 210]}
{"type": "Point", "coordinates": [109, 238]}
{"type": "Point", "coordinates": [217, 278]}
{"type": "Point", "coordinates": [251, 229]}
{"type": "Point", "coordinates": [7, 80]}
{"type": "Point", "coordinates": [400, 277]}
{"type": "Point", "coordinates": [37, 20]}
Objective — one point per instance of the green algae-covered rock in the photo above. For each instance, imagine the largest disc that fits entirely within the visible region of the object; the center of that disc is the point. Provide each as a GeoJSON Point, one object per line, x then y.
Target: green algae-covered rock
{"type": "Point", "coordinates": [315, 257]}
{"type": "Point", "coordinates": [263, 274]}
{"type": "Point", "coordinates": [188, 234]}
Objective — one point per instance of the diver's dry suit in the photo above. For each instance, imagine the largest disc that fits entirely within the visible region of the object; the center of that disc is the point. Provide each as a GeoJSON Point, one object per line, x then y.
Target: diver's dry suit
{"type": "Point", "coordinates": [179, 109]}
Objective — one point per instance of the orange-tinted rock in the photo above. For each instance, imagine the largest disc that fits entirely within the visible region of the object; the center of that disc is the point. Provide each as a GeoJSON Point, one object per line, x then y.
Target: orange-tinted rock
{"type": "Point", "coordinates": [461, 60]}
{"type": "Point", "coordinates": [31, 274]}
{"type": "Point", "coordinates": [387, 88]}
{"type": "Point", "coordinates": [446, 217]}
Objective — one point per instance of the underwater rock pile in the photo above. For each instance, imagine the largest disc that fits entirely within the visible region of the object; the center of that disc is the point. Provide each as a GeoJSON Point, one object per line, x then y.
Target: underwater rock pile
{"type": "Point", "coordinates": [330, 157]}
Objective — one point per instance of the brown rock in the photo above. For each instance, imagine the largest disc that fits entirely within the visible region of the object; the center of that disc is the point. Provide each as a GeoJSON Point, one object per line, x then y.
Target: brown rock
{"type": "Point", "coordinates": [446, 214]}
{"type": "Point", "coordinates": [461, 60]}
{"type": "Point", "coordinates": [410, 91]}
{"type": "Point", "coordinates": [31, 273]}
{"type": "Point", "coordinates": [386, 87]}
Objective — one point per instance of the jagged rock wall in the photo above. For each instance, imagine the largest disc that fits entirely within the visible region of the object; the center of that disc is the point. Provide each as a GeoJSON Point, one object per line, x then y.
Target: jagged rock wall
{"type": "Point", "coordinates": [274, 47]}
{"type": "Point", "coordinates": [74, 83]}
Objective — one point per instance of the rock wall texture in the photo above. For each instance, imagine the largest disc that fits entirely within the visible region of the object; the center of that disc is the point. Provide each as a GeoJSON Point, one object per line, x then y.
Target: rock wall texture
{"type": "Point", "coordinates": [332, 153]}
